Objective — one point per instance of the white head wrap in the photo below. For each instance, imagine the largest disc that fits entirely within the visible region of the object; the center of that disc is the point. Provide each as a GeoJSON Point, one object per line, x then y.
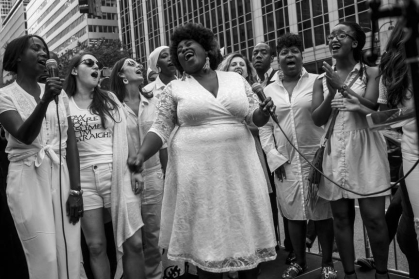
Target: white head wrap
{"type": "Point", "coordinates": [154, 56]}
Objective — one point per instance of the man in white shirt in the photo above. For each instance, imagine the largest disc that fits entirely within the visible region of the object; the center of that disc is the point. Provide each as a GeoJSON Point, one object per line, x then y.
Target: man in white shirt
{"type": "Point", "coordinates": [262, 58]}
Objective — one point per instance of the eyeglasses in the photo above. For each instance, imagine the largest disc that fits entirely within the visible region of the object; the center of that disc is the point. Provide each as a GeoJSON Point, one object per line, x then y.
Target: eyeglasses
{"type": "Point", "coordinates": [131, 63]}
{"type": "Point", "coordinates": [340, 36]}
{"type": "Point", "coordinates": [90, 63]}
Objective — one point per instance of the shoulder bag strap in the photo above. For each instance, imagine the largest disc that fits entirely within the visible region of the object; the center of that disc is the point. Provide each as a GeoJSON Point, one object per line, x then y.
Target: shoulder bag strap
{"type": "Point", "coordinates": [335, 114]}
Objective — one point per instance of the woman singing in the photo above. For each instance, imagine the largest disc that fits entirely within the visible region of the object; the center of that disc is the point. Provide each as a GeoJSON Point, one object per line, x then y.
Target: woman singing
{"type": "Point", "coordinates": [103, 143]}
{"type": "Point", "coordinates": [43, 183]}
{"type": "Point", "coordinates": [355, 157]}
{"type": "Point", "coordinates": [396, 92]}
{"type": "Point", "coordinates": [215, 215]}
{"type": "Point", "coordinates": [292, 92]}
{"type": "Point", "coordinates": [126, 82]}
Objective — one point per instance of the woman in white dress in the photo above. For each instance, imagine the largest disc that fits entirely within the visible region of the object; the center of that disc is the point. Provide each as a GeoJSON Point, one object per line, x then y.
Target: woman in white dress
{"type": "Point", "coordinates": [43, 183]}
{"type": "Point", "coordinates": [292, 93]}
{"type": "Point", "coordinates": [355, 156]}
{"type": "Point", "coordinates": [216, 212]}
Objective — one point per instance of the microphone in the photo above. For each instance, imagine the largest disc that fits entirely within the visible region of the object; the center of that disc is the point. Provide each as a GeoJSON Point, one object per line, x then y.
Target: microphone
{"type": "Point", "coordinates": [52, 67]}
{"type": "Point", "coordinates": [258, 90]}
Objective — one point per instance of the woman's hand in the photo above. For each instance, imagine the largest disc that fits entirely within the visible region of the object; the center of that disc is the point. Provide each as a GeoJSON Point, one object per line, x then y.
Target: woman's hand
{"type": "Point", "coordinates": [135, 163]}
{"type": "Point", "coordinates": [74, 208]}
{"type": "Point", "coordinates": [53, 87]}
{"type": "Point", "coordinates": [137, 183]}
{"type": "Point", "coordinates": [280, 172]}
{"type": "Point", "coordinates": [267, 106]}
{"type": "Point", "coordinates": [333, 79]}
{"type": "Point", "coordinates": [349, 103]}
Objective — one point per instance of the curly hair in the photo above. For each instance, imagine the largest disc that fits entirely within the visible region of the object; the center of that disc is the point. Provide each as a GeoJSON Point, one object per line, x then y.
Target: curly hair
{"type": "Point", "coordinates": [200, 34]}
{"type": "Point", "coordinates": [289, 40]}
{"type": "Point", "coordinates": [393, 69]}
{"type": "Point", "coordinates": [227, 61]}
{"type": "Point", "coordinates": [14, 50]}
{"type": "Point", "coordinates": [102, 104]}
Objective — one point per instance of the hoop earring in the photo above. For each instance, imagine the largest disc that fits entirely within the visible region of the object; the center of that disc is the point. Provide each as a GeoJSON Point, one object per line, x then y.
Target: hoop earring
{"type": "Point", "coordinates": [125, 81]}
{"type": "Point", "coordinates": [158, 70]}
{"type": "Point", "coordinates": [206, 65]}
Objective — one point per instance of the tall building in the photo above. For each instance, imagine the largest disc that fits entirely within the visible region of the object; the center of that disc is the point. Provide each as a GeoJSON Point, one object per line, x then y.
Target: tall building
{"type": "Point", "coordinates": [62, 26]}
{"type": "Point", "coordinates": [13, 26]}
{"type": "Point", "coordinates": [5, 6]}
{"type": "Point", "coordinates": [240, 24]}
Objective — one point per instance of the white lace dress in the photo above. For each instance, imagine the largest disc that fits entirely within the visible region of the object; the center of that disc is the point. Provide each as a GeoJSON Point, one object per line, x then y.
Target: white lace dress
{"type": "Point", "coordinates": [216, 211]}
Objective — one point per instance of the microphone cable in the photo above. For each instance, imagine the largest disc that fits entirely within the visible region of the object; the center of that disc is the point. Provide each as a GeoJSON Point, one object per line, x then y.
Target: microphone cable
{"type": "Point", "coordinates": [61, 190]}
{"type": "Point", "coordinates": [335, 183]}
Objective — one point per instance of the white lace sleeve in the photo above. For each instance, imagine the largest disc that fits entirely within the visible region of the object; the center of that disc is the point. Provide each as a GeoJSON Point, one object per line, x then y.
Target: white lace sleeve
{"type": "Point", "coordinates": [253, 102]}
{"type": "Point", "coordinates": [382, 97]}
{"type": "Point", "coordinates": [166, 115]}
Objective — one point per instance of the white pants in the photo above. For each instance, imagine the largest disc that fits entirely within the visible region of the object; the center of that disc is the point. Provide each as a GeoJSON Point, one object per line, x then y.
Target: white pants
{"type": "Point", "coordinates": [33, 195]}
{"type": "Point", "coordinates": [151, 202]}
{"type": "Point", "coordinates": [412, 185]}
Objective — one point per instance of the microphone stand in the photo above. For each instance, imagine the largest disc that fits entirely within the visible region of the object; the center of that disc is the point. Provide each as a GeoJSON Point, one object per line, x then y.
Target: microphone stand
{"type": "Point", "coordinates": [410, 13]}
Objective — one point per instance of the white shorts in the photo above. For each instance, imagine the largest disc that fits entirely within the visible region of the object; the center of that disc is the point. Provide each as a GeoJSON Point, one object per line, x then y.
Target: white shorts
{"type": "Point", "coordinates": [96, 182]}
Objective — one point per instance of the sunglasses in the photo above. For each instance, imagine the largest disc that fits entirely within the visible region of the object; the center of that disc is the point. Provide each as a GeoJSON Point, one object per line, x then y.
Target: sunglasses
{"type": "Point", "coordinates": [130, 63]}
{"type": "Point", "coordinates": [340, 37]}
{"type": "Point", "coordinates": [90, 63]}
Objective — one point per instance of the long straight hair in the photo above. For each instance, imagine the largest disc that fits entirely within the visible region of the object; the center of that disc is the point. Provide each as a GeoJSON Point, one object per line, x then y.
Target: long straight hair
{"type": "Point", "coordinates": [117, 84]}
{"type": "Point", "coordinates": [102, 104]}
{"type": "Point", "coordinates": [393, 69]}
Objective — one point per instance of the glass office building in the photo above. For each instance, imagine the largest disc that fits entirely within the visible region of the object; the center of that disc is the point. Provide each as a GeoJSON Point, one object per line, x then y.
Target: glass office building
{"type": "Point", "coordinates": [62, 26]}
{"type": "Point", "coordinates": [240, 24]}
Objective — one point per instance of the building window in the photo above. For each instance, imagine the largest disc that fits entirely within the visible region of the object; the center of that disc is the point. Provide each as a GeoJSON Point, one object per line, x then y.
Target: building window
{"type": "Point", "coordinates": [355, 10]}
{"type": "Point", "coordinates": [231, 21]}
{"type": "Point", "coordinates": [313, 22]}
{"type": "Point", "coordinates": [275, 21]}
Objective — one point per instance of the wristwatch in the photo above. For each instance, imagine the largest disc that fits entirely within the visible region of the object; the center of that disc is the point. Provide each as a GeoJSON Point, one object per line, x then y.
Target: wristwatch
{"type": "Point", "coordinates": [76, 193]}
{"type": "Point", "coordinates": [343, 88]}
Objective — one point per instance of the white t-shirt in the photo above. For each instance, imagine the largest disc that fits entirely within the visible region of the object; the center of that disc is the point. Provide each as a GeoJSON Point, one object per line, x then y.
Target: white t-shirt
{"type": "Point", "coordinates": [93, 141]}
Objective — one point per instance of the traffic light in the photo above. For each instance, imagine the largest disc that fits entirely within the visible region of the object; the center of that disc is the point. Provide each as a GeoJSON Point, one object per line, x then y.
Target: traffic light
{"type": "Point", "coordinates": [93, 7]}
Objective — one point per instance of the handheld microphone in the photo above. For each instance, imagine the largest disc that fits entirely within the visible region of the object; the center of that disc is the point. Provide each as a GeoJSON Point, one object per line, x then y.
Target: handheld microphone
{"type": "Point", "coordinates": [258, 90]}
{"type": "Point", "coordinates": [52, 67]}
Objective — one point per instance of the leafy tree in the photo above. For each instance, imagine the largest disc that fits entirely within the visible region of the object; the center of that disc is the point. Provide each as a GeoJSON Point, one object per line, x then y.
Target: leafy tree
{"type": "Point", "coordinates": [107, 51]}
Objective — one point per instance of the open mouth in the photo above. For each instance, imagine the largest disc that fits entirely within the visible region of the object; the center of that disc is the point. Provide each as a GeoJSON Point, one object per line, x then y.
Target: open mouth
{"type": "Point", "coordinates": [238, 70]}
{"type": "Point", "coordinates": [291, 63]}
{"type": "Point", "coordinates": [42, 62]}
{"type": "Point", "coordinates": [336, 47]}
{"type": "Point", "coordinates": [95, 74]}
{"type": "Point", "coordinates": [188, 55]}
{"type": "Point", "coordinates": [139, 72]}
{"type": "Point", "coordinates": [170, 65]}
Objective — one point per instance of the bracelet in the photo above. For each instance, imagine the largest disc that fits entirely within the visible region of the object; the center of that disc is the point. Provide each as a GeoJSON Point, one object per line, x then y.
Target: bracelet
{"type": "Point", "coordinates": [76, 193]}
{"type": "Point", "coordinates": [343, 88]}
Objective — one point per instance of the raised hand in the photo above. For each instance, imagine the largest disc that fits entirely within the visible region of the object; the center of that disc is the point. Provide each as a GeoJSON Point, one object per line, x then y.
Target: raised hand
{"type": "Point", "coordinates": [333, 79]}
